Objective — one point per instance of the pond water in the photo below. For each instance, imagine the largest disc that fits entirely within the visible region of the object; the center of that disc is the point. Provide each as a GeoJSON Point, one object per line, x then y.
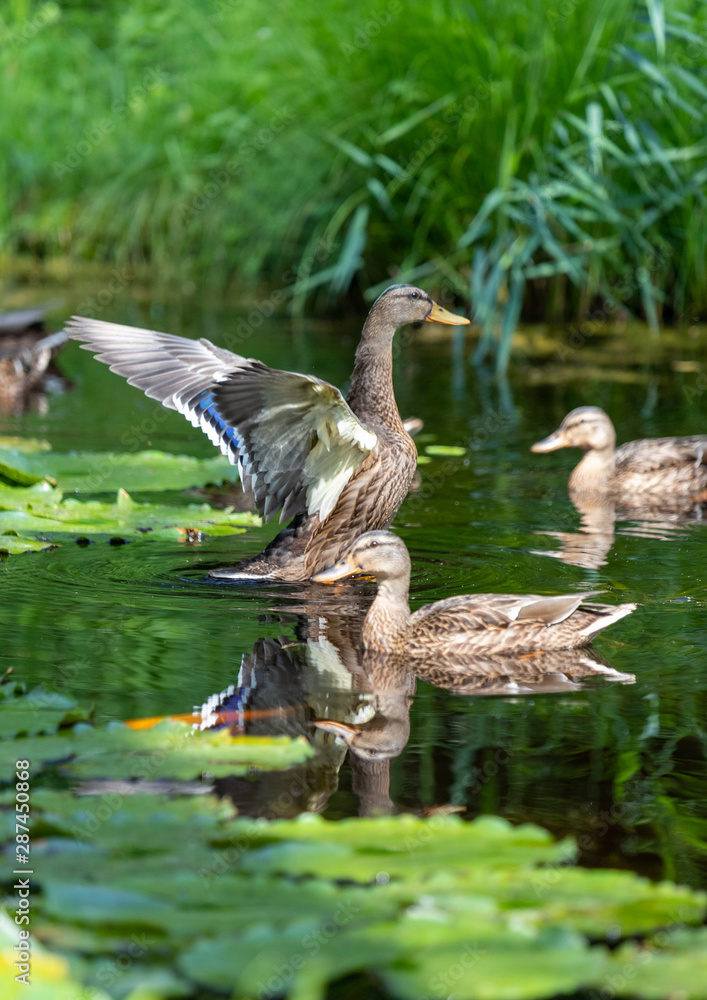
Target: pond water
{"type": "Point", "coordinates": [138, 630]}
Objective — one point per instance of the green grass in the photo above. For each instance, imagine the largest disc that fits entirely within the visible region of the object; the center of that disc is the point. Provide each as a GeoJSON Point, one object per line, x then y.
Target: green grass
{"type": "Point", "coordinates": [543, 160]}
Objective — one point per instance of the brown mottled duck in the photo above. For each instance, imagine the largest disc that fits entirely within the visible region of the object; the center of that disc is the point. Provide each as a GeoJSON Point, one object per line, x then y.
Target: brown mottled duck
{"type": "Point", "coordinates": [460, 626]}
{"type": "Point", "coordinates": [26, 355]}
{"type": "Point", "coordinates": [338, 467]}
{"type": "Point", "coordinates": [653, 467]}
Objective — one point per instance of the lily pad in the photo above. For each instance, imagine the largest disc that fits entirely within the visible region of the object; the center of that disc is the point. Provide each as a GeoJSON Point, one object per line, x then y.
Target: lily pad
{"type": "Point", "coordinates": [200, 898]}
{"type": "Point", "coordinates": [393, 843]}
{"type": "Point", "coordinates": [675, 967]}
{"type": "Point", "coordinates": [12, 545]}
{"type": "Point", "coordinates": [24, 497]}
{"type": "Point", "coordinates": [448, 450]}
{"type": "Point", "coordinates": [16, 477]}
{"type": "Point", "coordinates": [41, 509]}
{"type": "Point", "coordinates": [100, 472]}
{"type": "Point", "coordinates": [41, 711]}
{"type": "Point", "coordinates": [171, 749]}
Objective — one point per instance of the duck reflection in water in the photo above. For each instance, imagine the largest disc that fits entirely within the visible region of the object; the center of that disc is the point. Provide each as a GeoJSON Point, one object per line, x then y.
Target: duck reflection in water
{"type": "Point", "coordinates": [343, 699]}
{"type": "Point", "coordinates": [349, 686]}
{"type": "Point", "coordinates": [657, 485]}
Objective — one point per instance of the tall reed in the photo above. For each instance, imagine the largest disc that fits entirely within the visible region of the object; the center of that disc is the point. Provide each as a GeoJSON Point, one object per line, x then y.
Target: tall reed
{"type": "Point", "coordinates": [537, 160]}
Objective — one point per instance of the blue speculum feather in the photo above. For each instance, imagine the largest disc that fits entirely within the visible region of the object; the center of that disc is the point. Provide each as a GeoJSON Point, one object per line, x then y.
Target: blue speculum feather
{"type": "Point", "coordinates": [225, 709]}
{"type": "Point", "coordinates": [205, 405]}
{"type": "Point", "coordinates": [235, 704]}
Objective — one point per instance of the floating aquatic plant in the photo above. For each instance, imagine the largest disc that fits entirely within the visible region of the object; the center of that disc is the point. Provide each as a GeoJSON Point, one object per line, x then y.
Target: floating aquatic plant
{"type": "Point", "coordinates": [427, 907]}
{"type": "Point", "coordinates": [36, 514]}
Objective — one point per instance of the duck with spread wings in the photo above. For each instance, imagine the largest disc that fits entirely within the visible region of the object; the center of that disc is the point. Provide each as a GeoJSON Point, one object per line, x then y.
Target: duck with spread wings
{"type": "Point", "coordinates": [338, 467]}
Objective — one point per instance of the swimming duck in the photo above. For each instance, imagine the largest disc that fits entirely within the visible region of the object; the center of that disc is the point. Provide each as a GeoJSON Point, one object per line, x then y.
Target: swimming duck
{"type": "Point", "coordinates": [461, 626]}
{"type": "Point", "coordinates": [338, 467]}
{"type": "Point", "coordinates": [26, 353]}
{"type": "Point", "coordinates": [675, 466]}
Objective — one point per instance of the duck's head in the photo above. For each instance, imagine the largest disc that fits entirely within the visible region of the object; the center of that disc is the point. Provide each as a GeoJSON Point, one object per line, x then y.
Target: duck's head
{"type": "Point", "coordinates": [403, 304]}
{"type": "Point", "coordinates": [379, 739]}
{"type": "Point", "coordinates": [377, 553]}
{"type": "Point", "coordinates": [587, 428]}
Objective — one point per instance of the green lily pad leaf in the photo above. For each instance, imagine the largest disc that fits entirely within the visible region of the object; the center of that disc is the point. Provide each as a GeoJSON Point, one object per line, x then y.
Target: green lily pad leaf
{"type": "Point", "coordinates": [88, 904]}
{"type": "Point", "coordinates": [99, 472]}
{"type": "Point", "coordinates": [450, 450]}
{"type": "Point", "coordinates": [50, 977]}
{"type": "Point", "coordinates": [41, 509]}
{"type": "Point", "coordinates": [40, 711]}
{"type": "Point", "coordinates": [169, 750]}
{"type": "Point", "coordinates": [588, 901]}
{"type": "Point", "coordinates": [176, 750]}
{"type": "Point", "coordinates": [13, 546]}
{"type": "Point", "coordinates": [16, 477]}
{"type": "Point", "coordinates": [23, 498]}
{"type": "Point", "coordinates": [302, 847]}
{"type": "Point", "coordinates": [678, 967]}
{"type": "Point", "coordinates": [137, 982]}
{"type": "Point", "coordinates": [519, 966]}
{"type": "Point", "coordinates": [299, 960]}
{"type": "Point", "coordinates": [91, 827]}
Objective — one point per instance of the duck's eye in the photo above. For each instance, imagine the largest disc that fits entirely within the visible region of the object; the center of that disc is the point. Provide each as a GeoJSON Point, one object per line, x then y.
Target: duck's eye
{"type": "Point", "coordinates": [373, 544]}
{"type": "Point", "coordinates": [414, 295]}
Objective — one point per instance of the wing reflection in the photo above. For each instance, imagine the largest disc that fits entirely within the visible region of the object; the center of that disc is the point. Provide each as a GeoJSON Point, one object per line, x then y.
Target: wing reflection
{"type": "Point", "coordinates": [321, 686]}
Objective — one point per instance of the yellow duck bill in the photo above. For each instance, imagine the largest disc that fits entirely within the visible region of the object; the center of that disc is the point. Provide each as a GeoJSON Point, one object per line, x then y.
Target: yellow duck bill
{"type": "Point", "coordinates": [346, 567]}
{"type": "Point", "coordinates": [438, 314]}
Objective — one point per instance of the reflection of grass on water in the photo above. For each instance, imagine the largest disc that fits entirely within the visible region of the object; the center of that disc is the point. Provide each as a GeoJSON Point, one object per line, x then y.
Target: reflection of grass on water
{"type": "Point", "coordinates": [522, 153]}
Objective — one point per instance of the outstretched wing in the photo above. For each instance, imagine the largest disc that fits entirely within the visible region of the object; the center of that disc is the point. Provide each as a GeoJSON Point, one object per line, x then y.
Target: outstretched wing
{"type": "Point", "coordinates": [179, 373]}
{"type": "Point", "coordinates": [300, 443]}
{"type": "Point", "coordinates": [293, 437]}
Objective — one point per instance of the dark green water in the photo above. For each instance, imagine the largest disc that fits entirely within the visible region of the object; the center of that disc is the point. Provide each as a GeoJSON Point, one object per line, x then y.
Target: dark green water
{"type": "Point", "coordinates": [138, 630]}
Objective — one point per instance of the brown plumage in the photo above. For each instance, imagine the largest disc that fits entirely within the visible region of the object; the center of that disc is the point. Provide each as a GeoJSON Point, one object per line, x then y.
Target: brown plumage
{"type": "Point", "coordinates": [651, 468]}
{"type": "Point", "coordinates": [338, 468]}
{"type": "Point", "coordinates": [541, 672]}
{"type": "Point", "coordinates": [26, 352]}
{"type": "Point", "coordinates": [452, 629]}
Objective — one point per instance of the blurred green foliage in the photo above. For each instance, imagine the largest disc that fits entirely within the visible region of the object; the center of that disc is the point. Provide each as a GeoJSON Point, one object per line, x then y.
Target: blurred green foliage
{"type": "Point", "coordinates": [529, 157]}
